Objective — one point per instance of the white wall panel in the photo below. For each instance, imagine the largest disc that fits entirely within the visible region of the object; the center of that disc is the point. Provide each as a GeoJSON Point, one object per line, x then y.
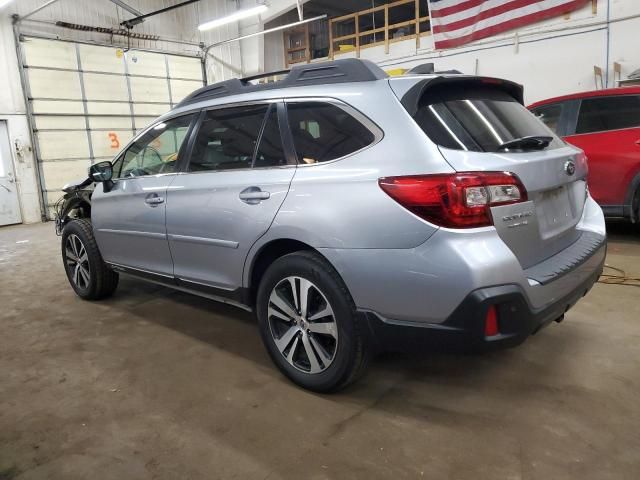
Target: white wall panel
{"type": "Point", "coordinates": [149, 89]}
{"type": "Point", "coordinates": [54, 84]}
{"type": "Point", "coordinates": [101, 59]}
{"type": "Point", "coordinates": [108, 108]}
{"type": "Point", "coordinates": [50, 53]}
{"type": "Point", "coordinates": [185, 67]}
{"type": "Point", "coordinates": [61, 145]}
{"type": "Point", "coordinates": [108, 144]}
{"type": "Point", "coordinates": [50, 122]}
{"type": "Point", "coordinates": [57, 174]}
{"type": "Point", "coordinates": [182, 88]}
{"type": "Point", "coordinates": [99, 86]}
{"type": "Point", "coordinates": [150, 109]}
{"type": "Point", "coordinates": [146, 63]}
{"type": "Point", "coordinates": [54, 106]}
{"type": "Point", "coordinates": [110, 122]}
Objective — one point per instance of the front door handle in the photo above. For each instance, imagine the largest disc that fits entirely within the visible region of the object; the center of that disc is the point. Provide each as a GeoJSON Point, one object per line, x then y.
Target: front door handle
{"type": "Point", "coordinates": [153, 199]}
{"type": "Point", "coordinates": [253, 195]}
{"type": "Point", "coordinates": [638, 142]}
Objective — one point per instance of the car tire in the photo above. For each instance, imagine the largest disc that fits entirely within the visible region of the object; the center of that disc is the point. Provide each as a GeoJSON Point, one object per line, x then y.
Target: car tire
{"type": "Point", "coordinates": [635, 207]}
{"type": "Point", "coordinates": [324, 348]}
{"type": "Point", "coordinates": [86, 271]}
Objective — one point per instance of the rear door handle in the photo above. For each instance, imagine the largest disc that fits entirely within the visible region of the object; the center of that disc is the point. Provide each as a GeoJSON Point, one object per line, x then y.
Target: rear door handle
{"type": "Point", "coordinates": [153, 199]}
{"type": "Point", "coordinates": [638, 142]}
{"type": "Point", "coordinates": [253, 195]}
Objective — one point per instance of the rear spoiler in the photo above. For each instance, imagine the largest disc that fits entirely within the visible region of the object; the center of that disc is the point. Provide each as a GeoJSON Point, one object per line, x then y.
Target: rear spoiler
{"type": "Point", "coordinates": [411, 99]}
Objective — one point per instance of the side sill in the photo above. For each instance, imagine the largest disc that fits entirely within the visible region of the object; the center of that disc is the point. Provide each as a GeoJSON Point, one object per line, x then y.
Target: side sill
{"type": "Point", "coordinates": [230, 297]}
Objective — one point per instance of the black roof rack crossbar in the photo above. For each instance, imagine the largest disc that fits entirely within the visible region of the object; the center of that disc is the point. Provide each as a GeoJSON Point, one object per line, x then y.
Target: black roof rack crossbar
{"type": "Point", "coordinates": [264, 75]}
{"type": "Point", "coordinates": [339, 71]}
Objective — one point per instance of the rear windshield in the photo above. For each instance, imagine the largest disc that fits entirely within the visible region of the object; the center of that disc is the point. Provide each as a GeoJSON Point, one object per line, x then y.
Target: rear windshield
{"type": "Point", "coordinates": [478, 119]}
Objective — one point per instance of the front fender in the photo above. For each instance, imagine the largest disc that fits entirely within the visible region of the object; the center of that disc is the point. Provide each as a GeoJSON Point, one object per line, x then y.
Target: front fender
{"type": "Point", "coordinates": [69, 202]}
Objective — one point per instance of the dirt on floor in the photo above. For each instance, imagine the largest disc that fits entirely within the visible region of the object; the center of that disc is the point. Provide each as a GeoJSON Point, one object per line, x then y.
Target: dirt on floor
{"type": "Point", "coordinates": [154, 383]}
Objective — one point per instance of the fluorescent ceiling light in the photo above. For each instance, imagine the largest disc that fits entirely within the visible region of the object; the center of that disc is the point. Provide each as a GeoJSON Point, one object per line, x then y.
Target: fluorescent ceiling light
{"type": "Point", "coordinates": [274, 29]}
{"type": "Point", "coordinates": [239, 15]}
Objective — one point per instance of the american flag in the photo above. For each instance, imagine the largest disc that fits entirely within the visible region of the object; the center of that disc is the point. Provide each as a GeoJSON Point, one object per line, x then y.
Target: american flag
{"type": "Point", "coordinates": [456, 22]}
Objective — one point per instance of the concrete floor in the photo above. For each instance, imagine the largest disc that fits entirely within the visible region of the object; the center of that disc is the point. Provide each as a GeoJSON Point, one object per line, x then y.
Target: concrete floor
{"type": "Point", "coordinates": [158, 384]}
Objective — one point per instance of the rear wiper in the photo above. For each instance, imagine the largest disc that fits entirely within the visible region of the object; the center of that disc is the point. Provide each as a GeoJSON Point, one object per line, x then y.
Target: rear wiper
{"type": "Point", "coordinates": [531, 142]}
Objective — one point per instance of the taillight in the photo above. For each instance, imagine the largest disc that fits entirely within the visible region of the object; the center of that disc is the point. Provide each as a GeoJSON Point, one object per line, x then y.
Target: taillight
{"type": "Point", "coordinates": [456, 200]}
{"type": "Point", "coordinates": [582, 162]}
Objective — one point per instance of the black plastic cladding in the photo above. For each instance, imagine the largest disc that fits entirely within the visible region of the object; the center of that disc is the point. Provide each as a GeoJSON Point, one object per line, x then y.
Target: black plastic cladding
{"type": "Point", "coordinates": [339, 71]}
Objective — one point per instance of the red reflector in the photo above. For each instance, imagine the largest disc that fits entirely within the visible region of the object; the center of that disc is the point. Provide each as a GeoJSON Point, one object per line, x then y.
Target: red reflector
{"type": "Point", "coordinates": [455, 200]}
{"type": "Point", "coordinates": [491, 322]}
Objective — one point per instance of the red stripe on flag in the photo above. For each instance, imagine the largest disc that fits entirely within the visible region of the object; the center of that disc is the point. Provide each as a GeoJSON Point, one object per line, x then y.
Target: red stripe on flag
{"type": "Point", "coordinates": [510, 24]}
{"type": "Point", "coordinates": [443, 12]}
{"type": "Point", "coordinates": [492, 12]}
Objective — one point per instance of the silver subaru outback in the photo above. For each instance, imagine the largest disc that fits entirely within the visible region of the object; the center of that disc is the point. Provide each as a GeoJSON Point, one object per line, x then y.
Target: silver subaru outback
{"type": "Point", "coordinates": [351, 211]}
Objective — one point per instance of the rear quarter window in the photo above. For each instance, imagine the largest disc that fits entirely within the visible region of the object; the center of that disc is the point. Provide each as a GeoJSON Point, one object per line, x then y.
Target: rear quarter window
{"type": "Point", "coordinates": [479, 119]}
{"type": "Point", "coordinates": [549, 115]}
{"type": "Point", "coordinates": [323, 132]}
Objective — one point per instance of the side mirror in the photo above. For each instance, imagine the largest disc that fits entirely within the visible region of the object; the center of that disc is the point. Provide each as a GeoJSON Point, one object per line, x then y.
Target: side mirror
{"type": "Point", "coordinates": [102, 172]}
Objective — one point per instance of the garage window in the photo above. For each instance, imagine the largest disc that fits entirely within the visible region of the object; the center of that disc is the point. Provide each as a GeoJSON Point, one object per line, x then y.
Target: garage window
{"type": "Point", "coordinates": [323, 132]}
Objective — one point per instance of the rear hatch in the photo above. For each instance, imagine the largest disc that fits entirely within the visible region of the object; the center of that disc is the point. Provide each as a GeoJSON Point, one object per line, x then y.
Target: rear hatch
{"type": "Point", "coordinates": [480, 124]}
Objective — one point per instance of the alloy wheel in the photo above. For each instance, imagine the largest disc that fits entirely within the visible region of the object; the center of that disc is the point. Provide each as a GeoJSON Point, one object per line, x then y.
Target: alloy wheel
{"type": "Point", "coordinates": [77, 261]}
{"type": "Point", "coordinates": [302, 324]}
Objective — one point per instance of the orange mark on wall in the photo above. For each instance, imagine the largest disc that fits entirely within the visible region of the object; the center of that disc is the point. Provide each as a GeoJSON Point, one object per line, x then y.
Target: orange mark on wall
{"type": "Point", "coordinates": [115, 142]}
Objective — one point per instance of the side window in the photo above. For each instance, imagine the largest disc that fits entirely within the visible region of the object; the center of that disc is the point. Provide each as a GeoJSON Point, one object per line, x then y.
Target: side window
{"type": "Point", "coordinates": [549, 114]}
{"type": "Point", "coordinates": [227, 139]}
{"type": "Point", "coordinates": [157, 150]}
{"type": "Point", "coordinates": [323, 132]}
{"type": "Point", "coordinates": [270, 151]}
{"type": "Point", "coordinates": [608, 113]}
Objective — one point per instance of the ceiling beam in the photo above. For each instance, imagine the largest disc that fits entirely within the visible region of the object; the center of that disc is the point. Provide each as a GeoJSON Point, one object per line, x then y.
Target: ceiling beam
{"type": "Point", "coordinates": [141, 18]}
{"type": "Point", "coordinates": [126, 7]}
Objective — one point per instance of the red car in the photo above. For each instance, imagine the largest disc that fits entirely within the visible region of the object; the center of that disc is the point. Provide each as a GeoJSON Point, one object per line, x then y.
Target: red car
{"type": "Point", "coordinates": [606, 125]}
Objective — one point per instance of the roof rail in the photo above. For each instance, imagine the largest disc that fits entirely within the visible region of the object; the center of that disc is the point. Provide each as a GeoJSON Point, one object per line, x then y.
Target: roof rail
{"type": "Point", "coordinates": [339, 71]}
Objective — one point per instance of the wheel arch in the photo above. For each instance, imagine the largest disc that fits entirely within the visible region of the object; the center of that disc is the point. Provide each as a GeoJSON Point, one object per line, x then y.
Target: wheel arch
{"type": "Point", "coordinates": [264, 256]}
{"type": "Point", "coordinates": [632, 191]}
{"type": "Point", "coordinates": [78, 203]}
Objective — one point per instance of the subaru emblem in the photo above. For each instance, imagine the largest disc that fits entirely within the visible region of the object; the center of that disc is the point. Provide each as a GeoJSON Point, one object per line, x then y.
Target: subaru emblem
{"type": "Point", "coordinates": [569, 167]}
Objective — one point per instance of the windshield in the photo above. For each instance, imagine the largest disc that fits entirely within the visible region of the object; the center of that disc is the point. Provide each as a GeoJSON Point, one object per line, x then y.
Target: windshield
{"type": "Point", "coordinates": [479, 119]}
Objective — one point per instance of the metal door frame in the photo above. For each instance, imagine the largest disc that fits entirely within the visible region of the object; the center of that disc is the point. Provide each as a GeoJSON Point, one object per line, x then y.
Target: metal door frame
{"type": "Point", "coordinates": [12, 165]}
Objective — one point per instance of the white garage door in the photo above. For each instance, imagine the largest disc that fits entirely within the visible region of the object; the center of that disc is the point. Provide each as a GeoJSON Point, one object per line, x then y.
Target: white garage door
{"type": "Point", "coordinates": [87, 101]}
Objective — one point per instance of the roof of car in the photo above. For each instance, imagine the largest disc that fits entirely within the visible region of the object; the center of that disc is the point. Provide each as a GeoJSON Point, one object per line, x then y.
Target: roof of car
{"type": "Point", "coordinates": [339, 71]}
{"type": "Point", "coordinates": [593, 93]}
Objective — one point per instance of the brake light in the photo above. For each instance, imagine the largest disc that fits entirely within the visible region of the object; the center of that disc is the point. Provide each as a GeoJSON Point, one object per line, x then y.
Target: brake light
{"type": "Point", "coordinates": [582, 162]}
{"type": "Point", "coordinates": [456, 200]}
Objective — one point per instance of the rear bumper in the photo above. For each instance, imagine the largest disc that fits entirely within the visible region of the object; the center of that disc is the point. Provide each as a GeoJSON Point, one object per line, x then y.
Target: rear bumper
{"type": "Point", "coordinates": [463, 331]}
